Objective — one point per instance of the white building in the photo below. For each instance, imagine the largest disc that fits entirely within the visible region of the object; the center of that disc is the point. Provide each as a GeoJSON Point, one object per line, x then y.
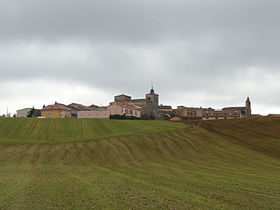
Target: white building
{"type": "Point", "coordinates": [23, 112]}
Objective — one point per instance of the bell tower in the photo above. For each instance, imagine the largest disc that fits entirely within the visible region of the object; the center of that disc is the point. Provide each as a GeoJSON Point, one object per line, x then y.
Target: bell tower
{"type": "Point", "coordinates": [152, 97]}
{"type": "Point", "coordinates": [248, 106]}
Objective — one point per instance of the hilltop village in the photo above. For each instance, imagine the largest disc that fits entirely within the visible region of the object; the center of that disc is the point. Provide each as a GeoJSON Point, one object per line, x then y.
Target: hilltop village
{"type": "Point", "coordinates": [125, 107]}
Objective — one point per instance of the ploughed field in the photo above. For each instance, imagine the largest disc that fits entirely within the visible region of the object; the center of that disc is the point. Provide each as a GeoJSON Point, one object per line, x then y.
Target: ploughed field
{"type": "Point", "coordinates": [111, 164]}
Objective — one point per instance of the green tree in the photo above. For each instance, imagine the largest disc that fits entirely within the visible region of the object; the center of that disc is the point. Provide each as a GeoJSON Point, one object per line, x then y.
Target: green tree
{"type": "Point", "coordinates": [31, 112]}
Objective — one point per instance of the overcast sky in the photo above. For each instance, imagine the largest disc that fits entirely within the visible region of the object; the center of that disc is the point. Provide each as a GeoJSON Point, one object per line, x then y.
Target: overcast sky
{"type": "Point", "coordinates": [197, 52]}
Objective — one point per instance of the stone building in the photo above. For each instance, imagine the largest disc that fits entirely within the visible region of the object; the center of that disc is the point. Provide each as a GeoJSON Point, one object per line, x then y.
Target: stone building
{"type": "Point", "coordinates": [211, 114]}
{"type": "Point", "coordinates": [56, 111]}
{"type": "Point", "coordinates": [152, 98]}
{"type": "Point", "coordinates": [189, 113]}
{"type": "Point", "coordinates": [75, 108]}
{"type": "Point", "coordinates": [125, 109]}
{"type": "Point", "coordinates": [245, 110]}
{"type": "Point", "coordinates": [149, 104]}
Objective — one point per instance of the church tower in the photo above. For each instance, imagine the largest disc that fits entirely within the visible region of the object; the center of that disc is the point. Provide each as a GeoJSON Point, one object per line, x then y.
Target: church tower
{"type": "Point", "coordinates": [248, 106]}
{"type": "Point", "coordinates": [153, 98]}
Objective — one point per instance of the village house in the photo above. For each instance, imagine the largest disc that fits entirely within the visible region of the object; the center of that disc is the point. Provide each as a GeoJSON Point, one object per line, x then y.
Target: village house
{"type": "Point", "coordinates": [56, 111]}
{"type": "Point", "coordinates": [125, 109]}
{"type": "Point", "coordinates": [93, 111]}
{"type": "Point", "coordinates": [189, 113]}
{"type": "Point", "coordinates": [26, 111]}
{"type": "Point", "coordinates": [23, 112]}
{"type": "Point", "coordinates": [78, 107]}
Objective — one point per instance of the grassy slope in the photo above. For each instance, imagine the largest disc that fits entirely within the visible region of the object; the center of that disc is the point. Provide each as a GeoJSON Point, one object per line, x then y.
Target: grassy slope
{"type": "Point", "coordinates": [20, 130]}
{"type": "Point", "coordinates": [230, 164]}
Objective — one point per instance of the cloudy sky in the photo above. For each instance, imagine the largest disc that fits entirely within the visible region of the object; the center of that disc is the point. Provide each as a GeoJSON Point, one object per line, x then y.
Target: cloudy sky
{"type": "Point", "coordinates": [197, 52]}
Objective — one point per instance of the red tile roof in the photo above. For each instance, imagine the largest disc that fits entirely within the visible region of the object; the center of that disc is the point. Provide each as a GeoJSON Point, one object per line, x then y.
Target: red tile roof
{"type": "Point", "coordinates": [57, 106]}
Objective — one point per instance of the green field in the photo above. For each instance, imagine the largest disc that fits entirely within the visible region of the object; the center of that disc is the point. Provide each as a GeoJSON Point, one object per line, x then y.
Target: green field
{"type": "Point", "coordinates": [110, 164]}
{"type": "Point", "coordinates": [20, 130]}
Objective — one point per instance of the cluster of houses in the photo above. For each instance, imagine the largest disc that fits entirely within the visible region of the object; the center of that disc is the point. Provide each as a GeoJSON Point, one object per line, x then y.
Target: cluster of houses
{"type": "Point", "coordinates": [125, 107]}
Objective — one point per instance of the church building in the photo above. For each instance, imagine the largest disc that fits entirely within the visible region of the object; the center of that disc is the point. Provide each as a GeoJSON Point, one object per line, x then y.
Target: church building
{"type": "Point", "coordinates": [149, 104]}
{"type": "Point", "coordinates": [245, 110]}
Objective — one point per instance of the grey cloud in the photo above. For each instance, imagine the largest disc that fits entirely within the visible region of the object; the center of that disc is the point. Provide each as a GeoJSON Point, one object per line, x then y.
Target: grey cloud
{"type": "Point", "coordinates": [212, 52]}
{"type": "Point", "coordinates": [136, 20]}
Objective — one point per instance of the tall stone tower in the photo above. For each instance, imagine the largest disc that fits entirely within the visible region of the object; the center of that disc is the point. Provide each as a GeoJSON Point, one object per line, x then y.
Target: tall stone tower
{"type": "Point", "coordinates": [153, 98]}
{"type": "Point", "coordinates": [248, 106]}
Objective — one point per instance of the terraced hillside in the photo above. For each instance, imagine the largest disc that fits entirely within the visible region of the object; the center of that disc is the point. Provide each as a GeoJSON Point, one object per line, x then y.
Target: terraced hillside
{"type": "Point", "coordinates": [97, 164]}
{"type": "Point", "coordinates": [22, 130]}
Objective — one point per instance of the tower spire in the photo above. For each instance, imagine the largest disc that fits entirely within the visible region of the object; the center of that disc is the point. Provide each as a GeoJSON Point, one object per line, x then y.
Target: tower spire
{"type": "Point", "coordinates": [152, 88]}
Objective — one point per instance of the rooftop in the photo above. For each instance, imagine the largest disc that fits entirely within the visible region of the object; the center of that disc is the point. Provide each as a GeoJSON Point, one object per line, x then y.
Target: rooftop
{"type": "Point", "coordinates": [57, 106]}
{"type": "Point", "coordinates": [128, 105]}
{"type": "Point", "coordinates": [80, 107]}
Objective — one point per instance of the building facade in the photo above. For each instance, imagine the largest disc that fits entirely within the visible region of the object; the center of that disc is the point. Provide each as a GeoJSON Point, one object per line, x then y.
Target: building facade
{"type": "Point", "coordinates": [23, 112]}
{"type": "Point", "coordinates": [189, 113]}
{"type": "Point", "coordinates": [125, 109]}
{"type": "Point", "coordinates": [56, 111]}
{"type": "Point", "coordinates": [149, 104]}
{"type": "Point", "coordinates": [211, 114]}
{"type": "Point", "coordinates": [75, 108]}
{"type": "Point", "coordinates": [245, 110]}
